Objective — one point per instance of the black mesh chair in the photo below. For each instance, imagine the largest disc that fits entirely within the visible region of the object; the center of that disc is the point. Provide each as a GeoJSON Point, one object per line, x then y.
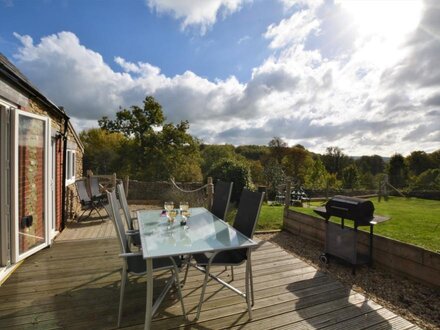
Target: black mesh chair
{"type": "Point", "coordinates": [133, 261]}
{"type": "Point", "coordinates": [245, 222]}
{"type": "Point", "coordinates": [222, 196]}
{"type": "Point", "coordinates": [87, 203]}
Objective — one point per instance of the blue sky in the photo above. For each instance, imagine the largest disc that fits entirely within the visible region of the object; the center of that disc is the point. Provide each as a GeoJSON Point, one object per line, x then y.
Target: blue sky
{"type": "Point", "coordinates": [130, 30]}
{"type": "Point", "coordinates": [361, 75]}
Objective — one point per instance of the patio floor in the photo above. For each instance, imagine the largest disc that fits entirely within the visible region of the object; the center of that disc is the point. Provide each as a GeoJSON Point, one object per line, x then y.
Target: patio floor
{"type": "Point", "coordinates": [75, 284]}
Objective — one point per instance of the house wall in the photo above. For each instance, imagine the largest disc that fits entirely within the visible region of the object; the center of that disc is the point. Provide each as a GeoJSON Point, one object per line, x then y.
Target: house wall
{"type": "Point", "coordinates": [73, 205]}
{"type": "Point", "coordinates": [23, 103]}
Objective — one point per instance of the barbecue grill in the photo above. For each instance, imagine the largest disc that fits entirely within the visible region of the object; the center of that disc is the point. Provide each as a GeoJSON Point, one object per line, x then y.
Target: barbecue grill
{"type": "Point", "coordinates": [341, 241]}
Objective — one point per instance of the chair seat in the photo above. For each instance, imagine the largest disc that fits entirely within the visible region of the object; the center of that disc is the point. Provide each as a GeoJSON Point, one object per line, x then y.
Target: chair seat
{"type": "Point", "coordinates": [232, 257]}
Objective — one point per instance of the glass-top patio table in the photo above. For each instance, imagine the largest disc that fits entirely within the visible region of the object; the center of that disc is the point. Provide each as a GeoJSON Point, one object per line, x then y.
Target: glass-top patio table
{"type": "Point", "coordinates": [204, 232]}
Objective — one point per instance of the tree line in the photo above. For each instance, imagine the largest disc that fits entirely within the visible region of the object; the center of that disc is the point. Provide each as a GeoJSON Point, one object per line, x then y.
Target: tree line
{"type": "Point", "coordinates": [141, 143]}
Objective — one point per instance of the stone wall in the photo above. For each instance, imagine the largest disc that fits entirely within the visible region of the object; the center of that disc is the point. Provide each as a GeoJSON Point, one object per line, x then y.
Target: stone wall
{"type": "Point", "coordinates": [398, 257]}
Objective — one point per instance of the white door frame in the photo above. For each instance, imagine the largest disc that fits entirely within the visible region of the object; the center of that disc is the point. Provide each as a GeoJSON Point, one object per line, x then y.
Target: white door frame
{"type": "Point", "coordinates": [5, 186]}
{"type": "Point", "coordinates": [53, 187]}
{"type": "Point", "coordinates": [16, 256]}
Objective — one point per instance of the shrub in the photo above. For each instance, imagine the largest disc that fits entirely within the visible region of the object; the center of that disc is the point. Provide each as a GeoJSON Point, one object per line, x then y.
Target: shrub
{"type": "Point", "coordinates": [232, 170]}
{"type": "Point", "coordinates": [428, 180]}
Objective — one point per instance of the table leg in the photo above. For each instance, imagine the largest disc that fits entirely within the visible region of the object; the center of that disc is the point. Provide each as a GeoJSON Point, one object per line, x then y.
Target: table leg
{"type": "Point", "coordinates": [149, 305]}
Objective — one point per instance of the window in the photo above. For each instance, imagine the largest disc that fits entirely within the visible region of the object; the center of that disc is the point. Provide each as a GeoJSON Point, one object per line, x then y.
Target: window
{"type": "Point", "coordinates": [70, 167]}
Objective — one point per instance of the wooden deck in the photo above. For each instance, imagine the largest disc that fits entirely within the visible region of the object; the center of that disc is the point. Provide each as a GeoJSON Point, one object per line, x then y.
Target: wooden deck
{"type": "Point", "coordinates": [75, 284]}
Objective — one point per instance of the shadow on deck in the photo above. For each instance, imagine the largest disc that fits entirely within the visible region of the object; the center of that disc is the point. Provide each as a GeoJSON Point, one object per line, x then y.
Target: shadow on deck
{"type": "Point", "coordinates": [75, 284]}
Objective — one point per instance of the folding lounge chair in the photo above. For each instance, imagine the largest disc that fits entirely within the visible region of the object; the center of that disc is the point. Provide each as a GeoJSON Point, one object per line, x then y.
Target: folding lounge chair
{"type": "Point", "coordinates": [87, 204]}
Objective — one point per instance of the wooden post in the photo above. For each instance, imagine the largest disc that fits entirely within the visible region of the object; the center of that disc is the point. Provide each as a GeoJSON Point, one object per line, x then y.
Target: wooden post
{"type": "Point", "coordinates": [326, 190]}
{"type": "Point", "coordinates": [379, 195]}
{"type": "Point", "coordinates": [210, 192]}
{"type": "Point", "coordinates": [114, 180]}
{"type": "Point", "coordinates": [288, 195]}
{"type": "Point", "coordinates": [126, 180]}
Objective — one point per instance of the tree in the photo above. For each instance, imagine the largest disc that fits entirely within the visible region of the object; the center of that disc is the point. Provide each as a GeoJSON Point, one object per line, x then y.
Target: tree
{"type": "Point", "coordinates": [435, 159]}
{"type": "Point", "coordinates": [274, 175]}
{"type": "Point", "coordinates": [278, 148]}
{"type": "Point", "coordinates": [398, 171]}
{"type": "Point", "coordinates": [418, 162]}
{"type": "Point", "coordinates": [159, 147]}
{"type": "Point", "coordinates": [296, 163]}
{"type": "Point", "coordinates": [368, 180]}
{"type": "Point", "coordinates": [428, 180]}
{"type": "Point", "coordinates": [102, 151]}
{"type": "Point", "coordinates": [350, 176]}
{"type": "Point", "coordinates": [252, 152]}
{"type": "Point", "coordinates": [317, 175]}
{"type": "Point", "coordinates": [231, 170]}
{"type": "Point", "coordinates": [335, 160]}
{"type": "Point", "coordinates": [215, 153]}
{"type": "Point", "coordinates": [257, 171]}
{"type": "Point", "coordinates": [370, 164]}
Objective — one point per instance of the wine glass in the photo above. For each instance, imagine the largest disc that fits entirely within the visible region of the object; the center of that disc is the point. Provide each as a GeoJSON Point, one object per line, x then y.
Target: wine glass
{"type": "Point", "coordinates": [184, 207]}
{"type": "Point", "coordinates": [172, 215]}
{"type": "Point", "coordinates": [168, 206]}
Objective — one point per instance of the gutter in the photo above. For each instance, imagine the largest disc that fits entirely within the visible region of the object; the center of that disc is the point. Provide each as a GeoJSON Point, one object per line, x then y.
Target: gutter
{"type": "Point", "coordinates": [63, 198]}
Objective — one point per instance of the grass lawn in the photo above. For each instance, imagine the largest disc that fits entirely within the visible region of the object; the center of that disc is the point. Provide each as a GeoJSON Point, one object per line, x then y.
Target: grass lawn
{"type": "Point", "coordinates": [415, 221]}
{"type": "Point", "coordinates": [271, 217]}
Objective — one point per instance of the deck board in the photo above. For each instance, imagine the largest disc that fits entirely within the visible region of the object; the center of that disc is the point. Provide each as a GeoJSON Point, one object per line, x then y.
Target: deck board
{"type": "Point", "coordinates": [75, 284]}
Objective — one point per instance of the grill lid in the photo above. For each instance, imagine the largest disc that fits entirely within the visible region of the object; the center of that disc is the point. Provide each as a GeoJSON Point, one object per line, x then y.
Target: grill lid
{"type": "Point", "coordinates": [352, 208]}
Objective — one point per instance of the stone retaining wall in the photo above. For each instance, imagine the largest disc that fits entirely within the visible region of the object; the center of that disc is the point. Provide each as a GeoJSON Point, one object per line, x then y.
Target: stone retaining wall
{"type": "Point", "coordinates": [401, 258]}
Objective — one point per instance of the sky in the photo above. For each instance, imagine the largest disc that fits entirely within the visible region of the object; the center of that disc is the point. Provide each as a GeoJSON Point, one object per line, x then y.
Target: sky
{"type": "Point", "coordinates": [363, 75]}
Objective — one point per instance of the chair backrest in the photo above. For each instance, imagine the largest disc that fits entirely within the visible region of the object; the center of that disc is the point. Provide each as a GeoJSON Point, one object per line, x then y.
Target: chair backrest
{"type": "Point", "coordinates": [222, 196]}
{"type": "Point", "coordinates": [94, 186]}
{"type": "Point", "coordinates": [81, 188]}
{"type": "Point", "coordinates": [117, 221]}
{"type": "Point", "coordinates": [248, 212]}
{"type": "Point", "coordinates": [124, 204]}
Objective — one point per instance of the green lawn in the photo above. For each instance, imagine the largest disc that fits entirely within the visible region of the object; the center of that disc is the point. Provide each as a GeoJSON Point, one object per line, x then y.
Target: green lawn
{"type": "Point", "coordinates": [413, 220]}
{"type": "Point", "coordinates": [271, 217]}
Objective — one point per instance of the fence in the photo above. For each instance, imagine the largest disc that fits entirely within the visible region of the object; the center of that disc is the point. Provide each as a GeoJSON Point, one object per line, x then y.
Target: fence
{"type": "Point", "coordinates": [155, 193]}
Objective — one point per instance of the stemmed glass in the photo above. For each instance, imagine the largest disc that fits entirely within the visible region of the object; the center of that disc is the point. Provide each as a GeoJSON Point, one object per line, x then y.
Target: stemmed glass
{"type": "Point", "coordinates": [184, 208]}
{"type": "Point", "coordinates": [184, 211]}
{"type": "Point", "coordinates": [168, 206]}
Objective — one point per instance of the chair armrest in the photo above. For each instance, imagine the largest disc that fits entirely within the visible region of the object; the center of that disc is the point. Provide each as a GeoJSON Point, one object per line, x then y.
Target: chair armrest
{"type": "Point", "coordinates": [132, 232]}
{"type": "Point", "coordinates": [130, 254]}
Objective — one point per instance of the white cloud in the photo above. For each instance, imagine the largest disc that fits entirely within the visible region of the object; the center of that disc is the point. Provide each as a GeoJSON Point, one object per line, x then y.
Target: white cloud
{"type": "Point", "coordinates": [294, 29]}
{"type": "Point", "coordinates": [354, 99]}
{"type": "Point", "coordinates": [288, 4]}
{"type": "Point", "coordinates": [200, 13]}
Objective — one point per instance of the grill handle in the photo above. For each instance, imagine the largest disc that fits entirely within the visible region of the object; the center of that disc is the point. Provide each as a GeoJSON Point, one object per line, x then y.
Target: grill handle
{"type": "Point", "coordinates": [339, 208]}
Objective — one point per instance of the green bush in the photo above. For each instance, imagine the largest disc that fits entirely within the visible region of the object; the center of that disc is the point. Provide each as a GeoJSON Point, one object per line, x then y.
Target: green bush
{"type": "Point", "coordinates": [428, 180]}
{"type": "Point", "coordinates": [232, 170]}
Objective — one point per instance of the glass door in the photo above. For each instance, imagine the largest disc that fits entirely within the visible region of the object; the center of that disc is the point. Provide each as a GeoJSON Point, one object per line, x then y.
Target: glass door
{"type": "Point", "coordinates": [31, 198]}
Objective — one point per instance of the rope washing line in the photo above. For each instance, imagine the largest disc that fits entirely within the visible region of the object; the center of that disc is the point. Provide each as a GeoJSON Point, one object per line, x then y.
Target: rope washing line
{"type": "Point", "coordinates": [186, 191]}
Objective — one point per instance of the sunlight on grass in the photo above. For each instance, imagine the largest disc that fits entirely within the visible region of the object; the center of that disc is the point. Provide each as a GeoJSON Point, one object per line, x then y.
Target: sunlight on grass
{"type": "Point", "coordinates": [415, 221]}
